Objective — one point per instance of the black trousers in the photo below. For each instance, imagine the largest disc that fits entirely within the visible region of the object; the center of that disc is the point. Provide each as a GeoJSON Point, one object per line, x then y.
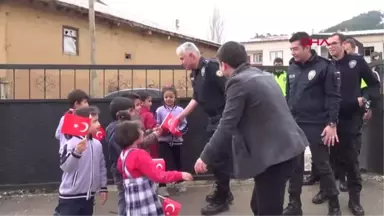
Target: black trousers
{"type": "Point", "coordinates": [172, 156]}
{"type": "Point", "coordinates": [269, 190]}
{"type": "Point", "coordinates": [79, 206]}
{"type": "Point", "coordinates": [320, 158]}
{"type": "Point", "coordinates": [222, 167]}
{"type": "Point", "coordinates": [346, 154]}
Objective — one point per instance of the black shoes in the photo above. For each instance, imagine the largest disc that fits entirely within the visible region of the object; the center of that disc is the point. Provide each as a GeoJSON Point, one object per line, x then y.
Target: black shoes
{"type": "Point", "coordinates": [310, 180]}
{"type": "Point", "coordinates": [210, 198]}
{"type": "Point", "coordinates": [217, 203]}
{"type": "Point", "coordinates": [355, 206]}
{"type": "Point", "coordinates": [319, 198]}
{"type": "Point", "coordinates": [293, 208]}
{"type": "Point", "coordinates": [334, 206]}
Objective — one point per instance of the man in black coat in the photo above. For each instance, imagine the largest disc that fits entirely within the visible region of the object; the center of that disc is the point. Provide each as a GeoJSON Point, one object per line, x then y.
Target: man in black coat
{"type": "Point", "coordinates": [266, 141]}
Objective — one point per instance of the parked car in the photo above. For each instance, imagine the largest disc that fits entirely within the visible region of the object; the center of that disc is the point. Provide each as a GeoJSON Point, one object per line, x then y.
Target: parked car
{"type": "Point", "coordinates": [153, 92]}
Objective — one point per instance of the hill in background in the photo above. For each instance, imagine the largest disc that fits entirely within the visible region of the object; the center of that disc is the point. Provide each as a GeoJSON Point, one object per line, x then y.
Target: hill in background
{"type": "Point", "coordinates": [364, 21]}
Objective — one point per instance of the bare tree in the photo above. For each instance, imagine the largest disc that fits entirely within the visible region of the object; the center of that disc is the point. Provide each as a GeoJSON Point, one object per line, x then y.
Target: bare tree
{"type": "Point", "coordinates": [216, 26]}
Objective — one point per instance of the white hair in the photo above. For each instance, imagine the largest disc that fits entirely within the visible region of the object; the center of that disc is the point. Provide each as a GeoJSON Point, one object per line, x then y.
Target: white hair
{"type": "Point", "coordinates": [187, 47]}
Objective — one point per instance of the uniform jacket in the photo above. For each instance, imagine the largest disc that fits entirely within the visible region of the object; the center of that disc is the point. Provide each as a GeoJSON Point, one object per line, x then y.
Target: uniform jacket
{"type": "Point", "coordinates": [208, 88]}
{"type": "Point", "coordinates": [83, 174]}
{"type": "Point", "coordinates": [313, 91]}
{"type": "Point", "coordinates": [161, 114]}
{"type": "Point", "coordinates": [258, 118]}
{"type": "Point", "coordinates": [353, 69]}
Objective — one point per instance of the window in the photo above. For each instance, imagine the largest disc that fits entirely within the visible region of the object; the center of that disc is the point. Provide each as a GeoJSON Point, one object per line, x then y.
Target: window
{"type": "Point", "coordinates": [257, 58]}
{"type": "Point", "coordinates": [70, 41]}
{"type": "Point", "coordinates": [368, 51]}
{"type": "Point", "coordinates": [275, 54]}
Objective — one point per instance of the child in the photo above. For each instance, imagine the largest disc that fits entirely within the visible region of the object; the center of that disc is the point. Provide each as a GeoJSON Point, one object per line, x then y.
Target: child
{"type": "Point", "coordinates": [121, 108]}
{"type": "Point", "coordinates": [139, 172]}
{"type": "Point", "coordinates": [84, 171]}
{"type": "Point", "coordinates": [136, 100]}
{"type": "Point", "coordinates": [170, 145]}
{"type": "Point", "coordinates": [148, 119]}
{"type": "Point", "coordinates": [77, 98]}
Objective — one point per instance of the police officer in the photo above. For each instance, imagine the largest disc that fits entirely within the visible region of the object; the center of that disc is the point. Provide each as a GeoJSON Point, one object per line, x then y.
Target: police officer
{"type": "Point", "coordinates": [280, 75]}
{"type": "Point", "coordinates": [208, 91]}
{"type": "Point", "coordinates": [352, 68]}
{"type": "Point", "coordinates": [313, 95]}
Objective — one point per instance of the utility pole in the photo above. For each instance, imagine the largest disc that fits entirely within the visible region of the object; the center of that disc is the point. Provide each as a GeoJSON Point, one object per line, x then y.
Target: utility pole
{"type": "Point", "coordinates": [92, 32]}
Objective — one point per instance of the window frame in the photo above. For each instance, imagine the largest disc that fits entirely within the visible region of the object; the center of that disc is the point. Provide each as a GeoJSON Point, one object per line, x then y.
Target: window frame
{"type": "Point", "coordinates": [65, 27]}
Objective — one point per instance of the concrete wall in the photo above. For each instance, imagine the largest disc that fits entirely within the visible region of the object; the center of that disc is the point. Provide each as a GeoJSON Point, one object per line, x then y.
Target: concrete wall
{"type": "Point", "coordinates": [32, 34]}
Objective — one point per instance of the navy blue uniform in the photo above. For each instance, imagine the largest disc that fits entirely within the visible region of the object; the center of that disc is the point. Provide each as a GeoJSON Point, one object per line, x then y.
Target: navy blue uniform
{"type": "Point", "coordinates": [209, 91]}
{"type": "Point", "coordinates": [353, 68]}
{"type": "Point", "coordinates": [313, 95]}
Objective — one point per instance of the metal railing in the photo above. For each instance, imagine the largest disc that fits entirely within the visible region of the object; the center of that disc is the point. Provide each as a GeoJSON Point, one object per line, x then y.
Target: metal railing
{"type": "Point", "coordinates": [54, 81]}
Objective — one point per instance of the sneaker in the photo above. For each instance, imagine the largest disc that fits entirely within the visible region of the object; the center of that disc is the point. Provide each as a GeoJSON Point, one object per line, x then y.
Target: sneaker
{"type": "Point", "coordinates": [163, 191]}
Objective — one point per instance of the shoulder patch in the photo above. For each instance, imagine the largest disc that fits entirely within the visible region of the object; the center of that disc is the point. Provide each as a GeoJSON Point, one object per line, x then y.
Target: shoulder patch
{"type": "Point", "coordinates": [352, 63]}
{"type": "Point", "coordinates": [219, 73]}
{"type": "Point", "coordinates": [311, 74]}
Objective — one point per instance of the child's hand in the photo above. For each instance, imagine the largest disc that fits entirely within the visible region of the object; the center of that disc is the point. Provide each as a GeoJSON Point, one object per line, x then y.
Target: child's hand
{"type": "Point", "coordinates": [103, 197]}
{"type": "Point", "coordinates": [186, 176]}
{"type": "Point", "coordinates": [81, 146]}
{"type": "Point", "coordinates": [157, 131]}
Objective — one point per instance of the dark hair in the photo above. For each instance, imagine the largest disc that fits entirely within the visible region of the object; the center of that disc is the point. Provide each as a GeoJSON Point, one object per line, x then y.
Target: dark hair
{"type": "Point", "coordinates": [351, 42]}
{"type": "Point", "coordinates": [118, 104]}
{"type": "Point", "coordinates": [132, 96]}
{"type": "Point", "coordinates": [123, 115]}
{"type": "Point", "coordinates": [143, 95]}
{"type": "Point", "coordinates": [278, 60]}
{"type": "Point", "coordinates": [300, 36]}
{"type": "Point", "coordinates": [342, 37]}
{"type": "Point", "coordinates": [126, 133]}
{"type": "Point", "coordinates": [78, 96]}
{"type": "Point", "coordinates": [232, 53]}
{"type": "Point", "coordinates": [87, 111]}
{"type": "Point", "coordinates": [169, 88]}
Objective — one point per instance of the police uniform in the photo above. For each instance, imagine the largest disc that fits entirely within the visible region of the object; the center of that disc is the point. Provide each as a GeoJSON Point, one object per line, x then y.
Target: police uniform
{"type": "Point", "coordinates": [281, 79]}
{"type": "Point", "coordinates": [208, 85]}
{"type": "Point", "coordinates": [353, 69]}
{"type": "Point", "coordinates": [313, 95]}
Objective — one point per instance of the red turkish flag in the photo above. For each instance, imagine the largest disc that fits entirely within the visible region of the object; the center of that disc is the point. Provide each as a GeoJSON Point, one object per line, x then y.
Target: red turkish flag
{"type": "Point", "coordinates": [160, 163]}
{"type": "Point", "coordinates": [100, 134]}
{"type": "Point", "coordinates": [166, 122]}
{"type": "Point", "coordinates": [75, 125]}
{"type": "Point", "coordinates": [173, 127]}
{"type": "Point", "coordinates": [171, 207]}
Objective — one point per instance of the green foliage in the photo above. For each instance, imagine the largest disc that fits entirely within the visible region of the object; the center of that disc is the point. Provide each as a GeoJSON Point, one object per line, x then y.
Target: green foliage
{"type": "Point", "coordinates": [364, 21]}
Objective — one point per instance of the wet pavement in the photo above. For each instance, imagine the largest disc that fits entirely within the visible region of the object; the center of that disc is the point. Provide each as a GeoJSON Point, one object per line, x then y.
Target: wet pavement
{"type": "Point", "coordinates": [192, 200]}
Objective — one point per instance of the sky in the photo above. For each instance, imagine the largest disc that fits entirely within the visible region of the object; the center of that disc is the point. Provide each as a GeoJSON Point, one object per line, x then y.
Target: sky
{"type": "Point", "coordinates": [243, 18]}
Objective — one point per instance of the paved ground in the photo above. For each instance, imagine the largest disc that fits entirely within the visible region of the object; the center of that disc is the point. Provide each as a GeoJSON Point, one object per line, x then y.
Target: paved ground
{"type": "Point", "coordinates": [372, 199]}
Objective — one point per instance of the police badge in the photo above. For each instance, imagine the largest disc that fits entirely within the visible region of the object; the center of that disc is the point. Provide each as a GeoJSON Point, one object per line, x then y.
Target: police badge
{"type": "Point", "coordinates": [352, 64]}
{"type": "Point", "coordinates": [203, 71]}
{"type": "Point", "coordinates": [219, 73]}
{"type": "Point", "coordinates": [311, 74]}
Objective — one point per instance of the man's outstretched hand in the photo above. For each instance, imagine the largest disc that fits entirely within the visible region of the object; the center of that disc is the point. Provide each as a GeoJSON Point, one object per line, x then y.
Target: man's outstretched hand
{"type": "Point", "coordinates": [200, 166]}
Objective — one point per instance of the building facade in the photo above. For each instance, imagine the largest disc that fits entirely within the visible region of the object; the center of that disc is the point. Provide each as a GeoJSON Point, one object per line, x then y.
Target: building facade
{"type": "Point", "coordinates": [262, 51]}
{"type": "Point", "coordinates": [56, 32]}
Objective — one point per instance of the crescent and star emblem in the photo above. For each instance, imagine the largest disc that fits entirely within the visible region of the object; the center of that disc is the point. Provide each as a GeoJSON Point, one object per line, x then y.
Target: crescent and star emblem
{"type": "Point", "coordinates": [170, 206]}
{"type": "Point", "coordinates": [159, 166]}
{"type": "Point", "coordinates": [86, 127]}
{"type": "Point", "coordinates": [99, 134]}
